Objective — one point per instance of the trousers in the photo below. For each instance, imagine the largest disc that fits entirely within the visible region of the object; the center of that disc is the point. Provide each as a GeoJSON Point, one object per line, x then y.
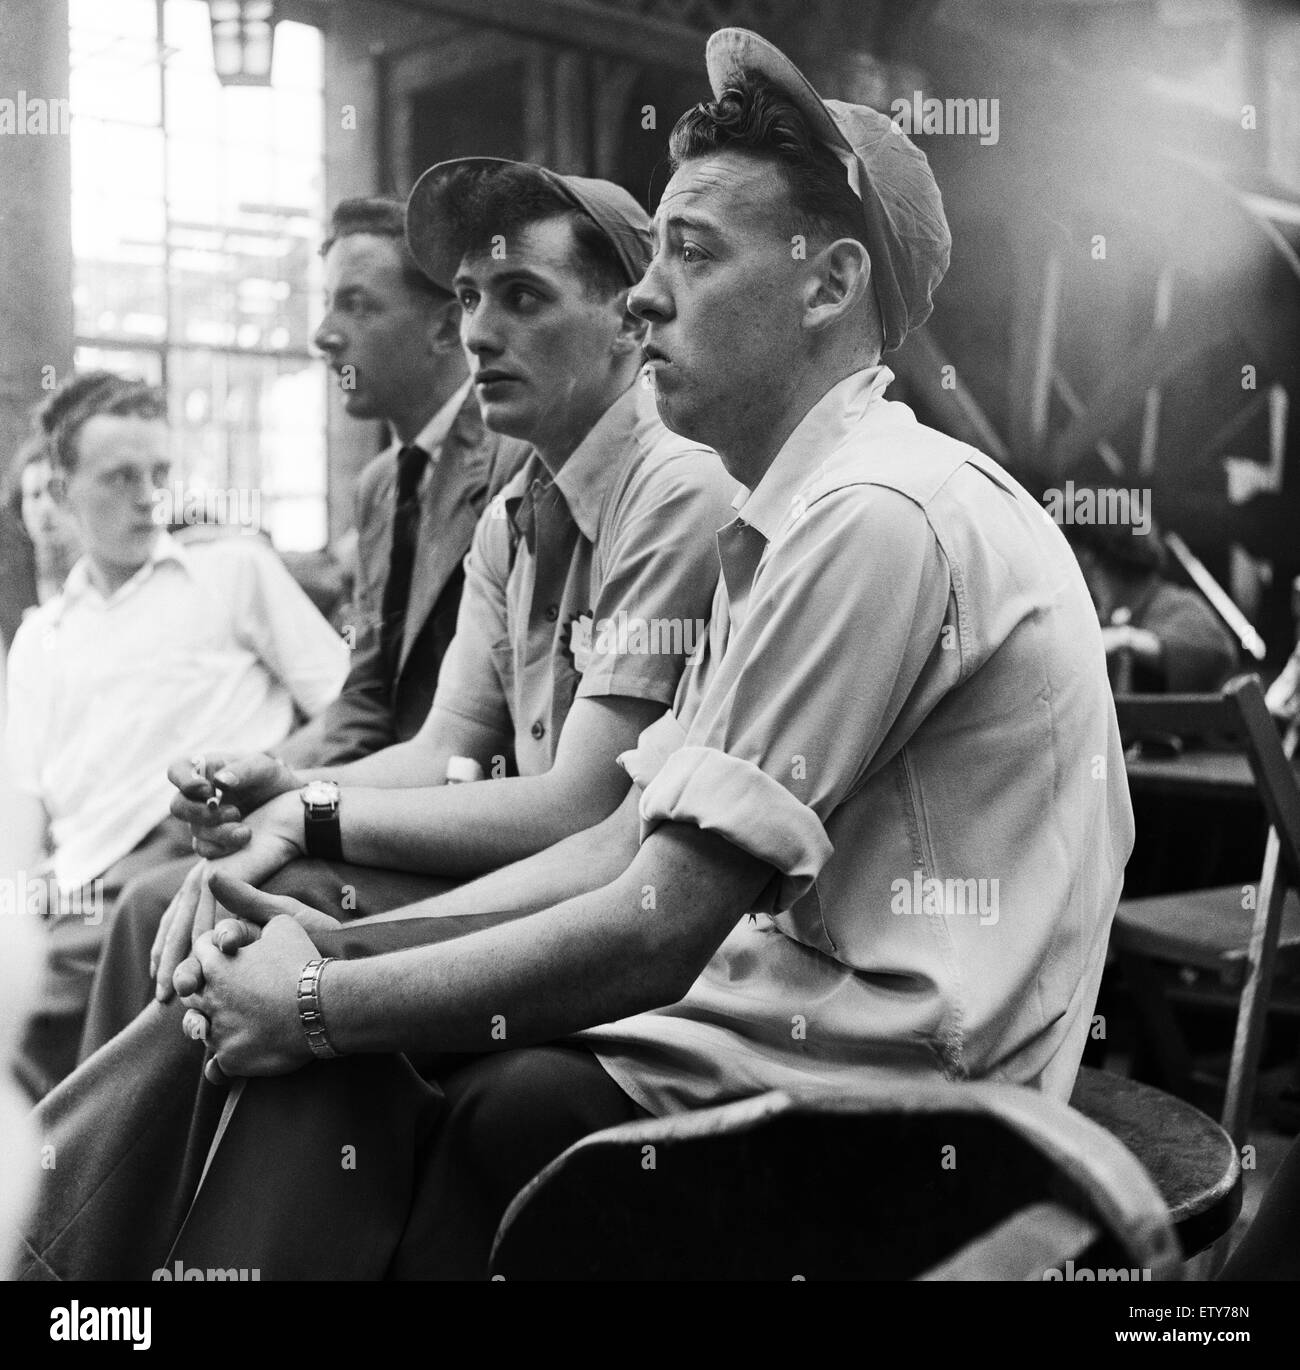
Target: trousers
{"type": "Point", "coordinates": [123, 987]}
{"type": "Point", "coordinates": [74, 943]}
{"type": "Point", "coordinates": [366, 1167]}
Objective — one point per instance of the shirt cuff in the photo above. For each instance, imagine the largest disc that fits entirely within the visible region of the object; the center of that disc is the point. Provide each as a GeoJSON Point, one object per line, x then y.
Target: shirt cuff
{"type": "Point", "coordinates": [723, 794]}
{"type": "Point", "coordinates": [630, 679]}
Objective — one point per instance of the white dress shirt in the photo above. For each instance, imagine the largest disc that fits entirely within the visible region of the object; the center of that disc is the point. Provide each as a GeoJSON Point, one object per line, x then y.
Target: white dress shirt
{"type": "Point", "coordinates": [206, 648]}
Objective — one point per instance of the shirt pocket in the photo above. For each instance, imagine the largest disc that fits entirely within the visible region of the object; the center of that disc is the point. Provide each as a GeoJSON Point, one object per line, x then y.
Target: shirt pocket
{"type": "Point", "coordinates": [804, 923]}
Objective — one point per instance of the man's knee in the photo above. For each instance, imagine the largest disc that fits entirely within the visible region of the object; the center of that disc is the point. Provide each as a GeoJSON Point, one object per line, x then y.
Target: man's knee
{"type": "Point", "coordinates": [144, 899]}
{"type": "Point", "coordinates": [310, 881]}
{"type": "Point", "coordinates": [520, 1109]}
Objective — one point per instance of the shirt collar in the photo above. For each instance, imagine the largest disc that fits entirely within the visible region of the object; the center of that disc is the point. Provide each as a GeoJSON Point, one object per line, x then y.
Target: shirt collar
{"type": "Point", "coordinates": [434, 433]}
{"type": "Point", "coordinates": [79, 583]}
{"type": "Point", "coordinates": [821, 430]}
{"type": "Point", "coordinates": [593, 466]}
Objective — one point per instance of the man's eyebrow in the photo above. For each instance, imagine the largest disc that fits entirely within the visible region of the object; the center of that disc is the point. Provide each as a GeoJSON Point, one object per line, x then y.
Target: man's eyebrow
{"type": "Point", "coordinates": [505, 276]}
{"type": "Point", "coordinates": [685, 218]}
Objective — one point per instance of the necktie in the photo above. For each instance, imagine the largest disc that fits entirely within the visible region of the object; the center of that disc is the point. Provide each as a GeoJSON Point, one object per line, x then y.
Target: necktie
{"type": "Point", "coordinates": [411, 462]}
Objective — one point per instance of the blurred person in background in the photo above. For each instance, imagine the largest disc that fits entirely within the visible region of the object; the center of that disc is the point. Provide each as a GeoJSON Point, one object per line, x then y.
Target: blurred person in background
{"type": "Point", "coordinates": [49, 524]}
{"type": "Point", "coordinates": [1158, 636]}
{"type": "Point", "coordinates": [17, 559]}
{"type": "Point", "coordinates": [151, 648]}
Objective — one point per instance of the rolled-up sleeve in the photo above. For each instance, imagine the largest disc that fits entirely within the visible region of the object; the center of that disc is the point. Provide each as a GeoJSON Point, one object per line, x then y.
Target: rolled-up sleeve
{"type": "Point", "coordinates": [470, 683]}
{"type": "Point", "coordinates": [658, 577]}
{"type": "Point", "coordinates": [846, 613]}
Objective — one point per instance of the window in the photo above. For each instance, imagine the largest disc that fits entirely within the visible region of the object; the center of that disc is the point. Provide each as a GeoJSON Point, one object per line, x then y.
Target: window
{"type": "Point", "coordinates": [196, 215]}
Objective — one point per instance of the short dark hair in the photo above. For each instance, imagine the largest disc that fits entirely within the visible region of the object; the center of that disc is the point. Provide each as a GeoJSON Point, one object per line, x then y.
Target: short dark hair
{"type": "Point", "coordinates": [383, 217]}
{"type": "Point", "coordinates": [511, 197]}
{"type": "Point", "coordinates": [755, 116]}
{"type": "Point", "coordinates": [79, 399]}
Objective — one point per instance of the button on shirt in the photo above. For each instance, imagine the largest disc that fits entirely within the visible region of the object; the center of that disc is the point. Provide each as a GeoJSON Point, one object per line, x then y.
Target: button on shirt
{"type": "Point", "coordinates": [597, 581]}
{"type": "Point", "coordinates": [207, 647]}
{"type": "Point", "coordinates": [902, 708]}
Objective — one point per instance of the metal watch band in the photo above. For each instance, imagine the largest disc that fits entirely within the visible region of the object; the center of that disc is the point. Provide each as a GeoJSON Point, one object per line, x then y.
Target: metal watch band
{"type": "Point", "coordinates": [309, 1008]}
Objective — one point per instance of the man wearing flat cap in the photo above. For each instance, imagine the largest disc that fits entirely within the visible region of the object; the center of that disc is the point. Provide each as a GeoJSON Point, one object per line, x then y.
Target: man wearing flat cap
{"type": "Point", "coordinates": [610, 521]}
{"type": "Point", "coordinates": [880, 834]}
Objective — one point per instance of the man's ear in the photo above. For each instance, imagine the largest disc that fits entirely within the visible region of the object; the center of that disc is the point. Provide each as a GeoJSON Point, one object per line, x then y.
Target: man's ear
{"type": "Point", "coordinates": [444, 326]}
{"type": "Point", "coordinates": [631, 330]}
{"type": "Point", "coordinates": [838, 280]}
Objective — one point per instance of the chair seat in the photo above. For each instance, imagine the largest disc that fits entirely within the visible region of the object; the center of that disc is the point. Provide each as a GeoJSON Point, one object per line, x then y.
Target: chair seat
{"type": "Point", "coordinates": [1189, 1157]}
{"type": "Point", "coordinates": [1204, 928]}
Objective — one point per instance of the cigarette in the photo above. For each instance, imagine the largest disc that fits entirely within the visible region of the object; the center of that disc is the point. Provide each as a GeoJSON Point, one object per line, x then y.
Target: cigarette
{"type": "Point", "coordinates": [213, 801]}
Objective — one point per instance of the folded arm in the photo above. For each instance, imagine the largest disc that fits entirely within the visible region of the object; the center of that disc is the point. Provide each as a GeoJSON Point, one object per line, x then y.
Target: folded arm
{"type": "Point", "coordinates": [636, 943]}
{"type": "Point", "coordinates": [585, 861]}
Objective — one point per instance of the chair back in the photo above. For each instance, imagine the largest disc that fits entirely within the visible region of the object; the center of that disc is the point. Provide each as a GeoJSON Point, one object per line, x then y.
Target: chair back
{"type": "Point", "coordinates": [914, 1179]}
{"type": "Point", "coordinates": [1239, 716]}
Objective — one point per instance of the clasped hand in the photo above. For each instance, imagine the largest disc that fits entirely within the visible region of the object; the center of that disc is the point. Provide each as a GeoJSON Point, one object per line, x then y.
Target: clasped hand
{"type": "Point", "coordinates": [239, 983]}
{"type": "Point", "coordinates": [275, 839]}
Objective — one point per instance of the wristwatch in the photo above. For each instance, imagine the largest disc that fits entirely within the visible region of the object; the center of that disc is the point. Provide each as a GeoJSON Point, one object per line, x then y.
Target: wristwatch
{"type": "Point", "coordinates": [320, 820]}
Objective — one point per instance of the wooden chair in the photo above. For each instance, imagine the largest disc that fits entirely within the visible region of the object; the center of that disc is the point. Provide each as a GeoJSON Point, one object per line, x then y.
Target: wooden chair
{"type": "Point", "coordinates": [1209, 929]}
{"type": "Point", "coordinates": [922, 1179]}
{"type": "Point", "coordinates": [1191, 1159]}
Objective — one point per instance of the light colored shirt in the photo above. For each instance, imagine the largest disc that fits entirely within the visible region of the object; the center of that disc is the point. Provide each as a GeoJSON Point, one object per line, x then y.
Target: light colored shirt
{"type": "Point", "coordinates": [612, 597]}
{"type": "Point", "coordinates": [903, 709]}
{"type": "Point", "coordinates": [207, 647]}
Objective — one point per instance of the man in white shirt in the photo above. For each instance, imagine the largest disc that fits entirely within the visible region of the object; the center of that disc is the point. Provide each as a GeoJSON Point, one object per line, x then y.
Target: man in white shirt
{"type": "Point", "coordinates": [153, 647]}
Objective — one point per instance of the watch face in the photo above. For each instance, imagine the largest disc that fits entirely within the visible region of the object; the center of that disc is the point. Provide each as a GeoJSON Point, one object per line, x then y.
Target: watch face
{"type": "Point", "coordinates": [322, 792]}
